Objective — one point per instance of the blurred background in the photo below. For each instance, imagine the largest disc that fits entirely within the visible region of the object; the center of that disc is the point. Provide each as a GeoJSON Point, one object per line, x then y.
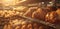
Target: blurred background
{"type": "Point", "coordinates": [12, 12]}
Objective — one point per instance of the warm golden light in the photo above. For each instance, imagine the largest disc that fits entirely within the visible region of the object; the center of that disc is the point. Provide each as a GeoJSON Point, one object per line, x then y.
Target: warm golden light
{"type": "Point", "coordinates": [9, 2]}
{"type": "Point", "coordinates": [20, 1]}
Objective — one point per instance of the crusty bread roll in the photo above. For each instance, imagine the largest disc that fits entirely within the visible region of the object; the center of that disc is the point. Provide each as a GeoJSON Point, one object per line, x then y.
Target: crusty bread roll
{"type": "Point", "coordinates": [29, 12]}
{"type": "Point", "coordinates": [39, 14]}
{"type": "Point", "coordinates": [58, 12]}
{"type": "Point", "coordinates": [51, 17]}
